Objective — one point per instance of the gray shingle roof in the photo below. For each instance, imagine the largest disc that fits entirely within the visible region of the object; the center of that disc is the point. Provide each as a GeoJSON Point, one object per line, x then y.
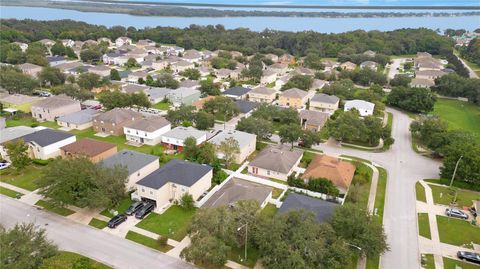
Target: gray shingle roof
{"type": "Point", "coordinates": [150, 124]}
{"type": "Point", "coordinates": [175, 171]}
{"type": "Point", "coordinates": [295, 93]}
{"type": "Point", "coordinates": [46, 137]}
{"type": "Point", "coordinates": [236, 91]}
{"type": "Point", "coordinates": [79, 117]}
{"type": "Point", "coordinates": [243, 138]}
{"type": "Point", "coordinates": [325, 98]}
{"type": "Point", "coordinates": [133, 160]}
{"type": "Point", "coordinates": [263, 90]}
{"type": "Point", "coordinates": [55, 102]}
{"type": "Point", "coordinates": [183, 133]}
{"type": "Point", "coordinates": [11, 133]}
{"type": "Point", "coordinates": [279, 158]}
{"type": "Point", "coordinates": [118, 115]}
{"type": "Point", "coordinates": [246, 106]}
{"type": "Point", "coordinates": [323, 210]}
{"type": "Point", "coordinates": [237, 190]}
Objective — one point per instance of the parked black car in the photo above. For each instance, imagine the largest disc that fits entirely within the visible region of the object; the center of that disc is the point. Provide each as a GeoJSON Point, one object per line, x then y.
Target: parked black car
{"type": "Point", "coordinates": [134, 208]}
{"type": "Point", "coordinates": [147, 208]}
{"type": "Point", "coordinates": [117, 220]}
{"type": "Point", "coordinates": [456, 213]}
{"type": "Point", "coordinates": [469, 256]}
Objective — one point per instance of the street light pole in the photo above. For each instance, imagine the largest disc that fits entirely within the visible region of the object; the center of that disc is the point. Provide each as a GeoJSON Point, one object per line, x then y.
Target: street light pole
{"type": "Point", "coordinates": [455, 170]}
{"type": "Point", "coordinates": [246, 237]}
{"type": "Point", "coordinates": [451, 183]}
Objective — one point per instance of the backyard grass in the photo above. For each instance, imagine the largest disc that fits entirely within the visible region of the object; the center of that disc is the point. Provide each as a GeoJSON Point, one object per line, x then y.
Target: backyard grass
{"type": "Point", "coordinates": [173, 223]}
{"type": "Point", "coordinates": [360, 188]}
{"type": "Point", "coordinates": [444, 196]}
{"type": "Point", "coordinates": [24, 178]}
{"type": "Point", "coordinates": [57, 210]}
{"type": "Point", "coordinates": [99, 224]}
{"type": "Point", "coordinates": [30, 122]}
{"type": "Point", "coordinates": [451, 264]}
{"type": "Point", "coordinates": [420, 192]}
{"type": "Point", "coordinates": [459, 115]}
{"type": "Point", "coordinates": [147, 241]}
{"type": "Point", "coordinates": [457, 232]}
{"type": "Point", "coordinates": [276, 193]}
{"type": "Point", "coordinates": [162, 106]}
{"type": "Point", "coordinates": [307, 158]}
{"type": "Point", "coordinates": [120, 208]}
{"type": "Point", "coordinates": [237, 254]}
{"type": "Point", "coordinates": [427, 261]}
{"type": "Point", "coordinates": [65, 259]}
{"type": "Point", "coordinates": [269, 210]}
{"type": "Point", "coordinates": [9, 192]}
{"type": "Point", "coordinates": [424, 225]}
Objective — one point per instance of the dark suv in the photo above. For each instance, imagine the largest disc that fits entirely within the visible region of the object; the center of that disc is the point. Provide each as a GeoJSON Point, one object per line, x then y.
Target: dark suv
{"type": "Point", "coordinates": [147, 208]}
{"type": "Point", "coordinates": [117, 220]}
{"type": "Point", "coordinates": [134, 208]}
{"type": "Point", "coordinates": [469, 256]}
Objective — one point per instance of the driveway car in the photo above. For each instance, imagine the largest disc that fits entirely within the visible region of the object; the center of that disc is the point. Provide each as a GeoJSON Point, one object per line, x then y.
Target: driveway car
{"type": "Point", "coordinates": [4, 164]}
{"type": "Point", "coordinates": [134, 208]}
{"type": "Point", "coordinates": [117, 220]}
{"type": "Point", "coordinates": [147, 208]}
{"type": "Point", "coordinates": [469, 256]}
{"type": "Point", "coordinates": [456, 213]}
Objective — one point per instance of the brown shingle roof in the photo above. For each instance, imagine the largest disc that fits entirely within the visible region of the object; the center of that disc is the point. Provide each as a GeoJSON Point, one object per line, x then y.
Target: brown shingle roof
{"type": "Point", "coordinates": [150, 124]}
{"type": "Point", "coordinates": [88, 147]}
{"type": "Point", "coordinates": [340, 173]}
{"type": "Point", "coordinates": [118, 115]}
{"type": "Point", "coordinates": [278, 158]}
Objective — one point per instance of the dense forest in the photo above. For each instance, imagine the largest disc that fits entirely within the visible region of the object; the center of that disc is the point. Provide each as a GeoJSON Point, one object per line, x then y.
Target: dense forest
{"type": "Point", "coordinates": [169, 11]}
{"type": "Point", "coordinates": [404, 41]}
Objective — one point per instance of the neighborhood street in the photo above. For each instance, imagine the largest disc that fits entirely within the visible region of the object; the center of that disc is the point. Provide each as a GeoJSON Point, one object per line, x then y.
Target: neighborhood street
{"type": "Point", "coordinates": [405, 168]}
{"type": "Point", "coordinates": [93, 243]}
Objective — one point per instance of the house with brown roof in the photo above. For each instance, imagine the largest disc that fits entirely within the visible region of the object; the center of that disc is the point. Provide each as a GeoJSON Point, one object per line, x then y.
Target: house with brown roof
{"type": "Point", "coordinates": [30, 69]}
{"type": "Point", "coordinates": [275, 161]}
{"type": "Point", "coordinates": [294, 98]}
{"type": "Point", "coordinates": [286, 59]}
{"type": "Point", "coordinates": [348, 66]}
{"type": "Point", "coordinates": [313, 120]}
{"type": "Point", "coordinates": [94, 149]}
{"type": "Point", "coordinates": [147, 131]}
{"type": "Point", "coordinates": [339, 172]}
{"type": "Point", "coordinates": [113, 121]}
{"type": "Point", "coordinates": [51, 108]}
{"type": "Point", "coordinates": [198, 104]}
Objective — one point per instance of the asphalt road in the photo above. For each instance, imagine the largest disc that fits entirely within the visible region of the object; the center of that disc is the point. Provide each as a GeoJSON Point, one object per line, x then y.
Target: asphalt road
{"type": "Point", "coordinates": [405, 168]}
{"type": "Point", "coordinates": [96, 244]}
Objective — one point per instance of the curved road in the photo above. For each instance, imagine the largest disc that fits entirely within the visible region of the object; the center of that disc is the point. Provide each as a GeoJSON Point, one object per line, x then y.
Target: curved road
{"type": "Point", "coordinates": [405, 168]}
{"type": "Point", "coordinates": [93, 243]}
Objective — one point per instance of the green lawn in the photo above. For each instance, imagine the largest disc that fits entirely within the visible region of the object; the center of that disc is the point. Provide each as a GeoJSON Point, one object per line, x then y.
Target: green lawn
{"type": "Point", "coordinates": [389, 127]}
{"type": "Point", "coordinates": [269, 210]}
{"type": "Point", "coordinates": [161, 106]}
{"type": "Point", "coordinates": [276, 193]}
{"type": "Point", "coordinates": [57, 210]}
{"type": "Point", "coordinates": [99, 224]}
{"type": "Point", "coordinates": [173, 223]}
{"type": "Point", "coordinates": [360, 189]}
{"type": "Point", "coordinates": [420, 192]}
{"type": "Point", "coordinates": [424, 225]}
{"type": "Point", "coordinates": [237, 254]}
{"type": "Point", "coordinates": [459, 115]}
{"type": "Point", "coordinates": [65, 259]}
{"type": "Point", "coordinates": [9, 192]}
{"type": "Point", "coordinates": [451, 263]}
{"type": "Point", "coordinates": [457, 232]}
{"type": "Point", "coordinates": [427, 261]}
{"type": "Point", "coordinates": [24, 178]}
{"type": "Point", "coordinates": [120, 208]}
{"type": "Point", "coordinates": [147, 241]}
{"type": "Point", "coordinates": [30, 122]}
{"type": "Point", "coordinates": [443, 195]}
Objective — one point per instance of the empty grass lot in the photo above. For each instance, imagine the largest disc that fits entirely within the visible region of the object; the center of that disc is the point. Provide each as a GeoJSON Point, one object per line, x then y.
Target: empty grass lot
{"type": "Point", "coordinates": [457, 232]}
{"type": "Point", "coordinates": [424, 225]}
{"type": "Point", "coordinates": [9, 192]}
{"type": "Point", "coordinates": [99, 224]}
{"type": "Point", "coordinates": [147, 241]}
{"type": "Point", "coordinates": [459, 115]}
{"type": "Point", "coordinates": [451, 264]}
{"type": "Point", "coordinates": [173, 223]}
{"type": "Point", "coordinates": [443, 195]}
{"type": "Point", "coordinates": [57, 210]}
{"type": "Point", "coordinates": [65, 259]}
{"type": "Point", "coordinates": [24, 178]}
{"type": "Point", "coordinates": [420, 192]}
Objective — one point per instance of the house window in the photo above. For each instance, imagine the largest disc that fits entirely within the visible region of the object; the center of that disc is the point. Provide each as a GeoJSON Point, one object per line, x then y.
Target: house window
{"type": "Point", "coordinates": [143, 189]}
{"type": "Point", "coordinates": [268, 172]}
{"type": "Point", "coordinates": [151, 192]}
{"type": "Point", "coordinates": [138, 174]}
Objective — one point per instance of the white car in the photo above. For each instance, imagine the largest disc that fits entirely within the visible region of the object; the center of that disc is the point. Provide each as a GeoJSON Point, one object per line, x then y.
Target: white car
{"type": "Point", "coordinates": [4, 165]}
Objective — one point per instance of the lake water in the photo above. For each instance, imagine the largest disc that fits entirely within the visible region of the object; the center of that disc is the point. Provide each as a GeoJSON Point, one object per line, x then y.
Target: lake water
{"type": "Point", "coordinates": [325, 25]}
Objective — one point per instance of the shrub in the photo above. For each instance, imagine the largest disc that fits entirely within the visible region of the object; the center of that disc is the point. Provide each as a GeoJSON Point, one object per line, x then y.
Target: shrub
{"type": "Point", "coordinates": [40, 162]}
{"type": "Point", "coordinates": [162, 240]}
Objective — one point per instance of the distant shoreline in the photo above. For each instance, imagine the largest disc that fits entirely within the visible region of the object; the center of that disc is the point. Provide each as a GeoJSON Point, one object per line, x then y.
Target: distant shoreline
{"type": "Point", "coordinates": [178, 10]}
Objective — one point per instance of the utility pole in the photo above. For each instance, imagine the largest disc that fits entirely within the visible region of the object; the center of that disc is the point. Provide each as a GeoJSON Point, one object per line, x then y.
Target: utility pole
{"type": "Point", "coordinates": [451, 183]}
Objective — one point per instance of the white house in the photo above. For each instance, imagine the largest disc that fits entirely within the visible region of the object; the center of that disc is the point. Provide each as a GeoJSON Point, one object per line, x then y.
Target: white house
{"type": "Point", "coordinates": [268, 76]}
{"type": "Point", "coordinates": [170, 182]}
{"type": "Point", "coordinates": [364, 108]}
{"type": "Point", "coordinates": [123, 40]}
{"type": "Point", "coordinates": [275, 161]}
{"type": "Point", "coordinates": [46, 143]}
{"type": "Point", "coordinates": [246, 142]}
{"type": "Point", "coordinates": [175, 138]}
{"type": "Point", "coordinates": [147, 131]}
